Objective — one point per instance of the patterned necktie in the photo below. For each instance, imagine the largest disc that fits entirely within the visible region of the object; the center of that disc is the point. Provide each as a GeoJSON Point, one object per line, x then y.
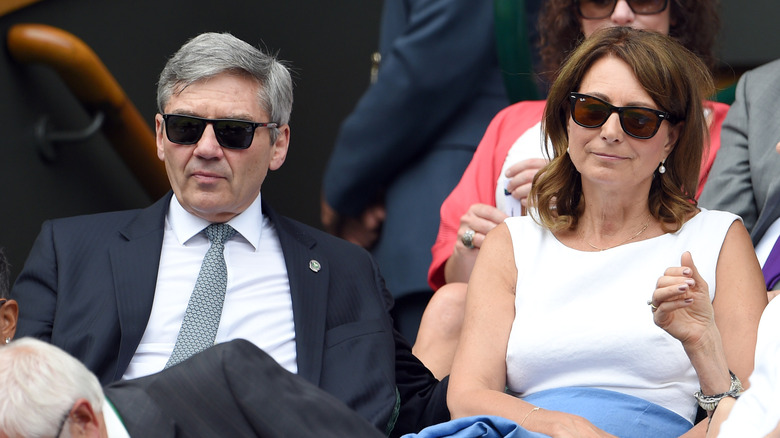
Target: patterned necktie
{"type": "Point", "coordinates": [771, 267]}
{"type": "Point", "coordinates": [201, 319]}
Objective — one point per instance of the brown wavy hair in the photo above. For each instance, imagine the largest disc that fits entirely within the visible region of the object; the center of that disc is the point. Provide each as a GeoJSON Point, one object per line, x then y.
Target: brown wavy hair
{"type": "Point", "coordinates": [694, 24]}
{"type": "Point", "coordinates": [677, 81]}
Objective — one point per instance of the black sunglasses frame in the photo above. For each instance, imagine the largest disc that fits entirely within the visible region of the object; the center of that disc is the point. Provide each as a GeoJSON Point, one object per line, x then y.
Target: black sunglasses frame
{"type": "Point", "coordinates": [662, 115]}
{"type": "Point", "coordinates": [612, 10]}
{"type": "Point", "coordinates": [217, 131]}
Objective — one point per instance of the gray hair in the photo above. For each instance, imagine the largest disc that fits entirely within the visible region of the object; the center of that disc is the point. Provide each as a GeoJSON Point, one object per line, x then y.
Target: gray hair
{"type": "Point", "coordinates": [40, 385]}
{"type": "Point", "coordinates": [211, 54]}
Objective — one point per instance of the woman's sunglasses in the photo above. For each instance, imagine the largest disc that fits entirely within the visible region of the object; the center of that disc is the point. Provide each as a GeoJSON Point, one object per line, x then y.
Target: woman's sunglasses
{"type": "Point", "coordinates": [636, 121]}
{"type": "Point", "coordinates": [599, 9]}
{"type": "Point", "coordinates": [230, 133]}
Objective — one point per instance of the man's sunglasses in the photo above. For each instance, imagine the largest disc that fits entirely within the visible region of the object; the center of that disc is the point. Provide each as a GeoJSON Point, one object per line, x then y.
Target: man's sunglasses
{"type": "Point", "coordinates": [599, 9]}
{"type": "Point", "coordinates": [638, 122]}
{"type": "Point", "coordinates": [230, 133]}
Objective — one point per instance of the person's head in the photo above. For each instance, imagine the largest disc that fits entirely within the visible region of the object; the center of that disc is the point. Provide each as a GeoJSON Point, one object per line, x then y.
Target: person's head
{"type": "Point", "coordinates": [9, 310]}
{"type": "Point", "coordinates": [216, 168]}
{"type": "Point", "coordinates": [564, 23]}
{"type": "Point", "coordinates": [625, 67]}
{"type": "Point", "coordinates": [47, 393]}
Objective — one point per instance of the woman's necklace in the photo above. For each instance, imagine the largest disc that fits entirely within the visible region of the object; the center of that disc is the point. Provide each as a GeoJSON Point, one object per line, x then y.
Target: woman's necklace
{"type": "Point", "coordinates": [644, 227]}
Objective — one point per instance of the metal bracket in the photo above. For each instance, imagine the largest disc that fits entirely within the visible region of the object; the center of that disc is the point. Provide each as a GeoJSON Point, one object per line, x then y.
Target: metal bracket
{"type": "Point", "coordinates": [48, 139]}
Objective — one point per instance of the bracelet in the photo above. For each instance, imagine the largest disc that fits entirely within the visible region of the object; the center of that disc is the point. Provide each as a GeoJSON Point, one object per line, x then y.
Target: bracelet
{"type": "Point", "coordinates": [528, 414]}
{"type": "Point", "coordinates": [710, 402]}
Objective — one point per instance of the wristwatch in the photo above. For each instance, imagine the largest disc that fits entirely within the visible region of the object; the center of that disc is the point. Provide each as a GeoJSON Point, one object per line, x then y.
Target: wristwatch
{"type": "Point", "coordinates": [710, 402]}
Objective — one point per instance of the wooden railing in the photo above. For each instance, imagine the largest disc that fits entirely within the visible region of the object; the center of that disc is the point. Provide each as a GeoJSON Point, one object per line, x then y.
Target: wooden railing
{"type": "Point", "coordinates": [97, 90]}
{"type": "Point", "coordinates": [8, 6]}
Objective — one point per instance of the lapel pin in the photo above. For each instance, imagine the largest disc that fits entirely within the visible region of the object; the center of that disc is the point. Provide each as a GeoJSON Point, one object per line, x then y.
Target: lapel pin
{"type": "Point", "coordinates": [314, 265]}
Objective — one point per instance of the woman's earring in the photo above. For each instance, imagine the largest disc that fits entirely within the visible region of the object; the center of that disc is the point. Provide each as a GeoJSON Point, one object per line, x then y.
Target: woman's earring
{"type": "Point", "coordinates": [662, 168]}
{"type": "Point", "coordinates": [7, 340]}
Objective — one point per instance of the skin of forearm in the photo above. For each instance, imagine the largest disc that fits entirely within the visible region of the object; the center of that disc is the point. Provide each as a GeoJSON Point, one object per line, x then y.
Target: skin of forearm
{"type": "Point", "coordinates": [458, 267]}
{"type": "Point", "coordinates": [709, 360]}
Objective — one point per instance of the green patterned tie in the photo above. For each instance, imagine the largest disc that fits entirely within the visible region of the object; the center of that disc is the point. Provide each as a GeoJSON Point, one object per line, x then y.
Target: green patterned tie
{"type": "Point", "coordinates": [201, 319]}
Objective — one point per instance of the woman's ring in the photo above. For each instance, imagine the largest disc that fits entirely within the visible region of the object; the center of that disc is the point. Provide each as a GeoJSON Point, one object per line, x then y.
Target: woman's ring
{"type": "Point", "coordinates": [653, 307]}
{"type": "Point", "coordinates": [468, 239]}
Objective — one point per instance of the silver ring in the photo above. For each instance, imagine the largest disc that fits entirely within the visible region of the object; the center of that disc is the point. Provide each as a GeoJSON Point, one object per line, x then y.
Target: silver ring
{"type": "Point", "coordinates": [468, 239]}
{"type": "Point", "coordinates": [653, 307]}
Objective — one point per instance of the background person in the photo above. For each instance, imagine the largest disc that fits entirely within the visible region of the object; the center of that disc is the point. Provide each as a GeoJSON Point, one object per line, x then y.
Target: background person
{"type": "Point", "coordinates": [755, 413]}
{"type": "Point", "coordinates": [409, 138]}
{"type": "Point", "coordinates": [744, 178]}
{"type": "Point", "coordinates": [232, 389]}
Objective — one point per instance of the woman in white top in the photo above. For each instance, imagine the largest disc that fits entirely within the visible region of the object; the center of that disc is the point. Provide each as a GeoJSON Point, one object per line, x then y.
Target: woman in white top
{"type": "Point", "coordinates": [558, 335]}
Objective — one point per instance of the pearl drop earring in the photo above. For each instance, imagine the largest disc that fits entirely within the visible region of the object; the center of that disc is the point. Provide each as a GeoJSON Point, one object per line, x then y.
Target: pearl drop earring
{"type": "Point", "coordinates": [662, 168]}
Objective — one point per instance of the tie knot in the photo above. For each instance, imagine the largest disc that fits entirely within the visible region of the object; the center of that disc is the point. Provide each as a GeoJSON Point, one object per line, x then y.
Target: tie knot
{"type": "Point", "coordinates": [219, 233]}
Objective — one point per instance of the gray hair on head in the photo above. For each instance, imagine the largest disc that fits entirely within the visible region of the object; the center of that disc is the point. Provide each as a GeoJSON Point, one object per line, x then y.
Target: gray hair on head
{"type": "Point", "coordinates": [211, 54]}
{"type": "Point", "coordinates": [40, 386]}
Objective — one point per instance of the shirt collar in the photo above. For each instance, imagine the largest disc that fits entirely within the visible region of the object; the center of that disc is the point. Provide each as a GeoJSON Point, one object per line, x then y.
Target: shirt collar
{"type": "Point", "coordinates": [114, 424]}
{"type": "Point", "coordinates": [186, 225]}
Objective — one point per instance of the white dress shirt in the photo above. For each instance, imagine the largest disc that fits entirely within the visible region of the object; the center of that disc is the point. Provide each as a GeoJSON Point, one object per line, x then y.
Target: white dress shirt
{"type": "Point", "coordinates": [258, 304]}
{"type": "Point", "coordinates": [767, 242]}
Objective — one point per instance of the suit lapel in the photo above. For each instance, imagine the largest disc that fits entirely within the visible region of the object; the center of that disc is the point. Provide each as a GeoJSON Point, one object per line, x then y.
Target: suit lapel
{"type": "Point", "coordinates": [134, 264]}
{"type": "Point", "coordinates": [309, 273]}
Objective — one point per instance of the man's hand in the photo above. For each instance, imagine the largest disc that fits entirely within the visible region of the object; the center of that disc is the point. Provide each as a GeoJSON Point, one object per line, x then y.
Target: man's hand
{"type": "Point", "coordinates": [362, 231]}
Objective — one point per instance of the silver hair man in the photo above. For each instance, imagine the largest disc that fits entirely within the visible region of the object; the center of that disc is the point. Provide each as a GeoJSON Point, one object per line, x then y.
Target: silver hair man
{"type": "Point", "coordinates": [211, 54]}
{"type": "Point", "coordinates": [42, 388]}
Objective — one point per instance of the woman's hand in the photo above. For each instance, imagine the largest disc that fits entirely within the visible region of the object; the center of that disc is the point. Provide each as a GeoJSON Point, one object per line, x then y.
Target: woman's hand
{"type": "Point", "coordinates": [681, 303]}
{"type": "Point", "coordinates": [562, 425]}
{"type": "Point", "coordinates": [521, 175]}
{"type": "Point", "coordinates": [477, 221]}
{"type": "Point", "coordinates": [480, 218]}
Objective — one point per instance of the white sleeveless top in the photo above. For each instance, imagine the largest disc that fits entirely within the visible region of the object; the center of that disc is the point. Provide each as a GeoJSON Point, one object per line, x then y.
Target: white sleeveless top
{"type": "Point", "coordinates": [582, 319]}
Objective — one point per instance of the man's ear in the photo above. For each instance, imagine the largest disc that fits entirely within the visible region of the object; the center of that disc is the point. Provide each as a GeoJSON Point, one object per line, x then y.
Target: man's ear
{"type": "Point", "coordinates": [84, 421]}
{"type": "Point", "coordinates": [158, 136]}
{"type": "Point", "coordinates": [9, 314]}
{"type": "Point", "coordinates": [279, 148]}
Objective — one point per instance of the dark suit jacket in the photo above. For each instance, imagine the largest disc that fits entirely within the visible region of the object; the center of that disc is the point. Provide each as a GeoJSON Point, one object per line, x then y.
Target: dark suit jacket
{"type": "Point", "coordinates": [88, 287]}
{"type": "Point", "coordinates": [233, 389]}
{"type": "Point", "coordinates": [745, 177]}
{"type": "Point", "coordinates": [413, 132]}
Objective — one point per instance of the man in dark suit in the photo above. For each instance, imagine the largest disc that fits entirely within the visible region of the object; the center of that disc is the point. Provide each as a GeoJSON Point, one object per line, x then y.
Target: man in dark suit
{"type": "Point", "coordinates": [410, 137]}
{"type": "Point", "coordinates": [232, 389]}
{"type": "Point", "coordinates": [120, 291]}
